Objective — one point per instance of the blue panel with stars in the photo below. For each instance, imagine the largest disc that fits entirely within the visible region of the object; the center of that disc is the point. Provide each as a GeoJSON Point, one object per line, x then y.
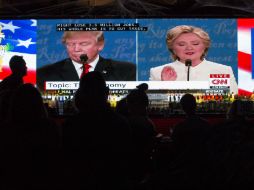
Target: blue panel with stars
{"type": "Point", "coordinates": [19, 35]}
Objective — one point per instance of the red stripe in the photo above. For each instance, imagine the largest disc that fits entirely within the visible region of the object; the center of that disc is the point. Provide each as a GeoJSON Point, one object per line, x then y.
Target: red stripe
{"type": "Point", "coordinates": [5, 72]}
{"type": "Point", "coordinates": [244, 61]}
{"type": "Point", "coordinates": [242, 92]}
{"type": "Point", "coordinates": [29, 78]}
{"type": "Point", "coordinates": [247, 23]}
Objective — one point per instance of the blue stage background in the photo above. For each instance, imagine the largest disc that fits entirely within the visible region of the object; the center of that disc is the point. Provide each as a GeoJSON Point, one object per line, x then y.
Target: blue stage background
{"type": "Point", "coordinates": [145, 48]}
{"type": "Point", "coordinates": [119, 45]}
{"type": "Point", "coordinates": [152, 49]}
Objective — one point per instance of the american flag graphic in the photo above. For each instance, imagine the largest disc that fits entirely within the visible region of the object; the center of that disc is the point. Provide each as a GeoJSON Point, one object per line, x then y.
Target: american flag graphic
{"type": "Point", "coordinates": [18, 37]}
{"type": "Point", "coordinates": [245, 60]}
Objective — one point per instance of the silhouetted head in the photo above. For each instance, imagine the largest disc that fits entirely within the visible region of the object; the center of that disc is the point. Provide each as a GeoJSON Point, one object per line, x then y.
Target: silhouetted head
{"type": "Point", "coordinates": [18, 65]}
{"type": "Point", "coordinates": [137, 101]}
{"type": "Point", "coordinates": [188, 103]}
{"type": "Point", "coordinates": [27, 104]}
{"type": "Point", "coordinates": [92, 92]}
{"type": "Point", "coordinates": [142, 86]}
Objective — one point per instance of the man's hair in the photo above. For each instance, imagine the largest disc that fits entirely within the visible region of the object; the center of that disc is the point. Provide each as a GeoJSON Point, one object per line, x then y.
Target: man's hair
{"type": "Point", "coordinates": [67, 34]}
{"type": "Point", "coordinates": [175, 32]}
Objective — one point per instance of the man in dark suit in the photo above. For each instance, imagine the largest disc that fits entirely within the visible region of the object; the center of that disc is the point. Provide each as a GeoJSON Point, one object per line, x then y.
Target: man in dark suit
{"type": "Point", "coordinates": [83, 48]}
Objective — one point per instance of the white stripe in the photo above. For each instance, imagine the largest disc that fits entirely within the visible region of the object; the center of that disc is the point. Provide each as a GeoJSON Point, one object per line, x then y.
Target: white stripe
{"type": "Point", "coordinates": [29, 58]}
{"type": "Point", "coordinates": [245, 81]}
{"type": "Point", "coordinates": [244, 40]}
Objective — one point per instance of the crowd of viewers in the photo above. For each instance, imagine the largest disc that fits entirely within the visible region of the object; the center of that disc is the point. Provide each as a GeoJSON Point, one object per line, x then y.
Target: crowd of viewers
{"type": "Point", "coordinates": [100, 148]}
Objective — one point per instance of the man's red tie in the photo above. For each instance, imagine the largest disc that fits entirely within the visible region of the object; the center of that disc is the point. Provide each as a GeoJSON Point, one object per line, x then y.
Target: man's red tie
{"type": "Point", "coordinates": [85, 69]}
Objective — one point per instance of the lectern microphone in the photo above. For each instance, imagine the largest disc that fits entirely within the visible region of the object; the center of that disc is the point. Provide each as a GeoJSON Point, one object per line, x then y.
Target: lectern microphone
{"type": "Point", "coordinates": [188, 63]}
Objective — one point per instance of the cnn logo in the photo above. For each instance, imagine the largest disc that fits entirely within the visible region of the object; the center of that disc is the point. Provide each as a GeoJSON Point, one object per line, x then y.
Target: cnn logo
{"type": "Point", "coordinates": [223, 82]}
{"type": "Point", "coordinates": [219, 80]}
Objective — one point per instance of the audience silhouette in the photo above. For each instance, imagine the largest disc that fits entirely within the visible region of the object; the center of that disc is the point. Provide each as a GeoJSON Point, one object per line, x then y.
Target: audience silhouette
{"type": "Point", "coordinates": [97, 140]}
{"type": "Point", "coordinates": [143, 135]}
{"type": "Point", "coordinates": [5, 98]}
{"type": "Point", "coordinates": [143, 86]}
{"type": "Point", "coordinates": [30, 142]}
{"type": "Point", "coordinates": [103, 149]}
{"type": "Point", "coordinates": [230, 151]}
{"type": "Point", "coordinates": [122, 106]}
{"type": "Point", "coordinates": [19, 70]}
{"type": "Point", "coordinates": [183, 166]}
{"type": "Point", "coordinates": [27, 103]}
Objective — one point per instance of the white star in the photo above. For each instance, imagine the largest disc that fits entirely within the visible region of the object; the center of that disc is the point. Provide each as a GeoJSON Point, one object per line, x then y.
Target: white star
{"type": "Point", "coordinates": [34, 22]}
{"type": "Point", "coordinates": [2, 35]}
{"type": "Point", "coordinates": [25, 43]}
{"type": "Point", "coordinates": [9, 26]}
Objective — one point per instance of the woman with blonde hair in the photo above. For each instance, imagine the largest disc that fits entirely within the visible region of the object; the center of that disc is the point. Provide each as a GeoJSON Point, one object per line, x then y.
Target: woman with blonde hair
{"type": "Point", "coordinates": [190, 44]}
